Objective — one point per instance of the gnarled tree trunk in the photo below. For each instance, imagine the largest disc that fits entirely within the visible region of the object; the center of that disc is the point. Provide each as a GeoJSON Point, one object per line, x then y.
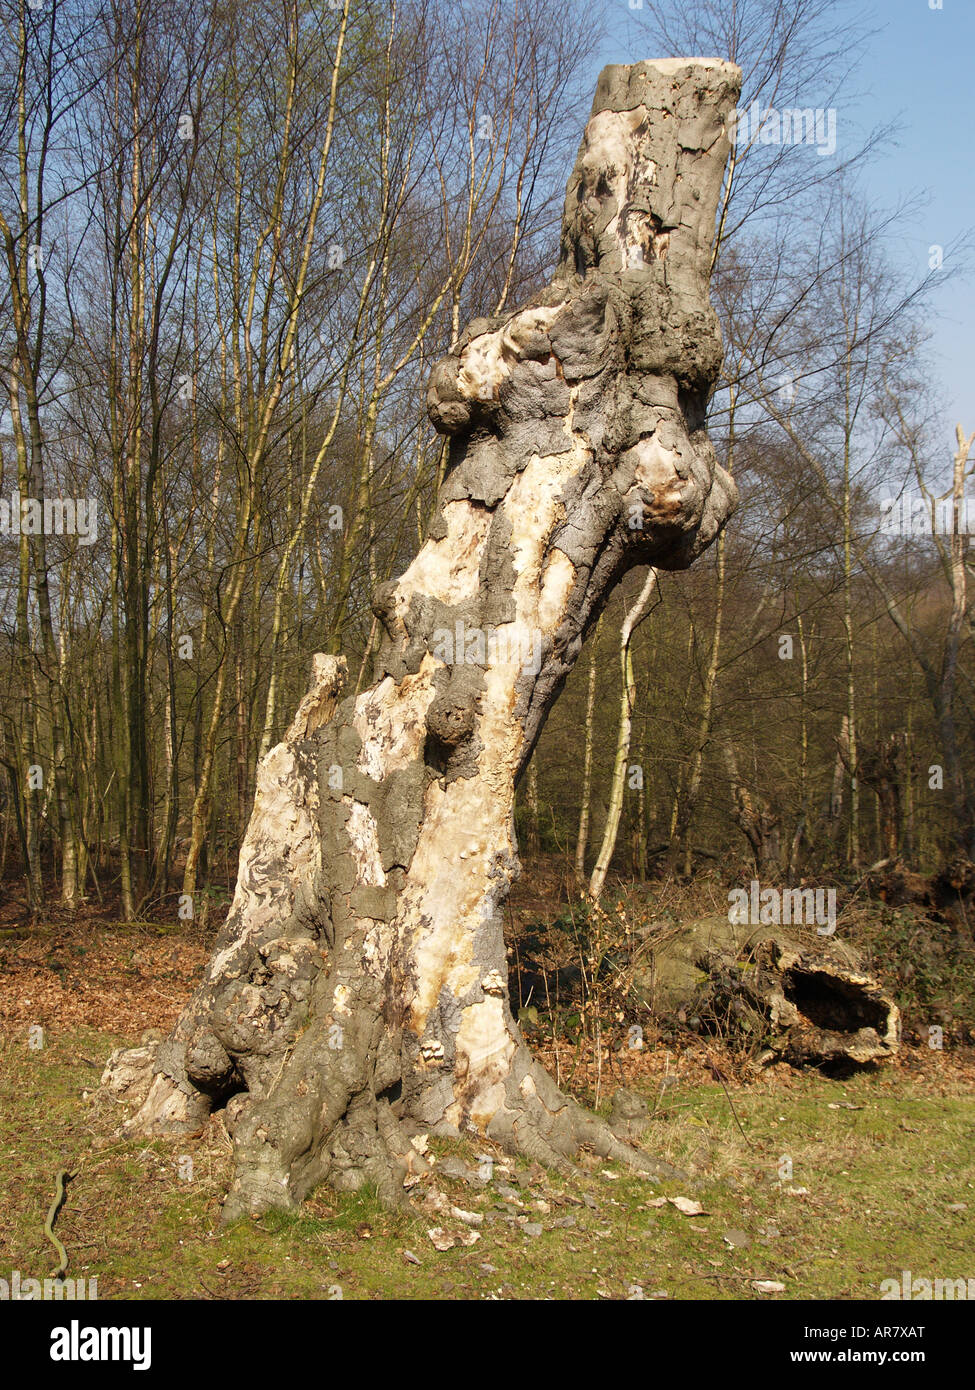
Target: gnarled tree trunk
{"type": "Point", "coordinates": [359, 986]}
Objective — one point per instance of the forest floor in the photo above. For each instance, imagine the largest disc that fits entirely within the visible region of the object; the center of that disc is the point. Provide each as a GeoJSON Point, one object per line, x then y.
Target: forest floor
{"type": "Point", "coordinates": [797, 1186]}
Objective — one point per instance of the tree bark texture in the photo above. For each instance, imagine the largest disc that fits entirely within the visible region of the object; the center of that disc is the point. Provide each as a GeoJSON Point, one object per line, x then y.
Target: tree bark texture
{"type": "Point", "coordinates": [358, 990]}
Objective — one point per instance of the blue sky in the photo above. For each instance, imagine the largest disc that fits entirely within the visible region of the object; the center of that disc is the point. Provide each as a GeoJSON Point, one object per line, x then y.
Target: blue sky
{"type": "Point", "coordinates": [918, 73]}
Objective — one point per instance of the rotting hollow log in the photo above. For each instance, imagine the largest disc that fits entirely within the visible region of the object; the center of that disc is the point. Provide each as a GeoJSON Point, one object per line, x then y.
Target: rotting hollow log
{"type": "Point", "coordinates": [358, 990]}
{"type": "Point", "coordinates": [806, 1000]}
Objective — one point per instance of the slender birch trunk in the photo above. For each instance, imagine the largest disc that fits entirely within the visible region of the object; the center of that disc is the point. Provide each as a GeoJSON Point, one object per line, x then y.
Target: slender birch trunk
{"type": "Point", "coordinates": [627, 701]}
{"type": "Point", "coordinates": [582, 838]}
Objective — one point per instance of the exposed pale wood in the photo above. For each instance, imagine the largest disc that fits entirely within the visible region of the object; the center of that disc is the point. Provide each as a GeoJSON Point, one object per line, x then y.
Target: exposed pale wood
{"type": "Point", "coordinates": [359, 986]}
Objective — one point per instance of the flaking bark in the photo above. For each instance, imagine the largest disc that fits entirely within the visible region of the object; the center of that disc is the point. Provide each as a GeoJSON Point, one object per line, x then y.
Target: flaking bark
{"type": "Point", "coordinates": [358, 990]}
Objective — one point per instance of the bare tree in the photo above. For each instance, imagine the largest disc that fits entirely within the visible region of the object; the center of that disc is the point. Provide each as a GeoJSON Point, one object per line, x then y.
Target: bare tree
{"type": "Point", "coordinates": [359, 986]}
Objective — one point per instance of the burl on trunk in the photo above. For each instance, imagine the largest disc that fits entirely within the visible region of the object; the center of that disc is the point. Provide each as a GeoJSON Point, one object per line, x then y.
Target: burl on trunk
{"type": "Point", "coordinates": [358, 990]}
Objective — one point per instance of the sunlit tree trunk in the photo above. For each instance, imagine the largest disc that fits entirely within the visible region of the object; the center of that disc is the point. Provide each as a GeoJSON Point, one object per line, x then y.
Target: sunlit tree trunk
{"type": "Point", "coordinates": [582, 837]}
{"type": "Point", "coordinates": [617, 789]}
{"type": "Point", "coordinates": [359, 987]}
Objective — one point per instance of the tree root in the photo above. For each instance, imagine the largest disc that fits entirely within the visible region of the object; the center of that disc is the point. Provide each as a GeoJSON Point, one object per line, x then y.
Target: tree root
{"type": "Point", "coordinates": [333, 1127]}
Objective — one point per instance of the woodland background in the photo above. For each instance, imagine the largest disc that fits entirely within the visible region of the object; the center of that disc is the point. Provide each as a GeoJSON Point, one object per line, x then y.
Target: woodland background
{"type": "Point", "coordinates": [236, 238]}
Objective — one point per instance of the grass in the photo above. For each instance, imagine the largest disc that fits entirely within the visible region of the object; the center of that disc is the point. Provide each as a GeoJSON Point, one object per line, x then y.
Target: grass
{"type": "Point", "coordinates": [881, 1170]}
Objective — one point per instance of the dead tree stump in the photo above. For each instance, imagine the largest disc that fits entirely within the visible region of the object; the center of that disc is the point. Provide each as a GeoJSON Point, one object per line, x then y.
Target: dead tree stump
{"type": "Point", "coordinates": [358, 989]}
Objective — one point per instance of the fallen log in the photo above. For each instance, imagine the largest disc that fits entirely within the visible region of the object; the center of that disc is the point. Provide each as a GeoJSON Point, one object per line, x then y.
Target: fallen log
{"type": "Point", "coordinates": [804, 1002]}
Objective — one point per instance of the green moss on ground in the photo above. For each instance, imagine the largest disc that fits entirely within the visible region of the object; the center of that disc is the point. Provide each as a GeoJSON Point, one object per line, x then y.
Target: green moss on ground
{"type": "Point", "coordinates": [882, 1179]}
